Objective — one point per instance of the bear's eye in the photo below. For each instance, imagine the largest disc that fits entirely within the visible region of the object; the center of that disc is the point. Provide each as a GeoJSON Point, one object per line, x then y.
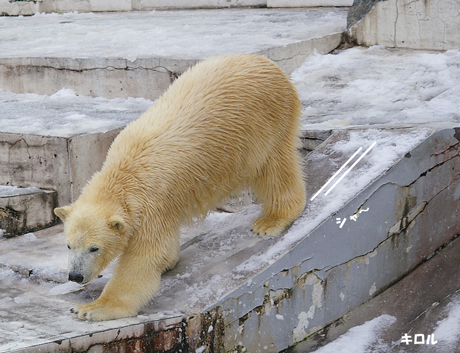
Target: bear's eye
{"type": "Point", "coordinates": [93, 249]}
{"type": "Point", "coordinates": [68, 247]}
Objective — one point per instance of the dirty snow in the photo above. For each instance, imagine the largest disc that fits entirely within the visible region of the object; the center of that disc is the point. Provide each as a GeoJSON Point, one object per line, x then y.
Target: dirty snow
{"type": "Point", "coordinates": [66, 114]}
{"type": "Point", "coordinates": [178, 34]}
{"type": "Point", "coordinates": [378, 86]}
{"type": "Point", "coordinates": [362, 339]}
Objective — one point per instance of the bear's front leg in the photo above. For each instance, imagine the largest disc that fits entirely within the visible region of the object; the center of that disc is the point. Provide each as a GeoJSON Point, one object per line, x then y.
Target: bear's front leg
{"type": "Point", "coordinates": [135, 281]}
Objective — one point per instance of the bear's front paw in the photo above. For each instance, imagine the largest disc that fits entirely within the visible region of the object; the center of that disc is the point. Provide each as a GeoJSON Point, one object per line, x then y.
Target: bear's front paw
{"type": "Point", "coordinates": [270, 226]}
{"type": "Point", "coordinates": [99, 311]}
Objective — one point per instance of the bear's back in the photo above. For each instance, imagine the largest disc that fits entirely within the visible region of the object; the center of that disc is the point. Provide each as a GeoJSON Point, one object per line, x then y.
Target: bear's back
{"type": "Point", "coordinates": [212, 130]}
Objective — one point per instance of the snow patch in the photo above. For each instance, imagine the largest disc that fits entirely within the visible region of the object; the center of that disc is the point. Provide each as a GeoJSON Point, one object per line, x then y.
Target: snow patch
{"type": "Point", "coordinates": [363, 338]}
{"type": "Point", "coordinates": [64, 114]}
{"type": "Point", "coordinates": [6, 191]}
{"type": "Point", "coordinates": [378, 86]}
{"type": "Point", "coordinates": [178, 34]}
{"type": "Point", "coordinates": [64, 288]}
{"type": "Point", "coordinates": [447, 331]}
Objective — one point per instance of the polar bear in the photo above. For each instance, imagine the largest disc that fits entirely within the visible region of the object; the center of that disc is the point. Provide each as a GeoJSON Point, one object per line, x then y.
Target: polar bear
{"type": "Point", "coordinates": [230, 122]}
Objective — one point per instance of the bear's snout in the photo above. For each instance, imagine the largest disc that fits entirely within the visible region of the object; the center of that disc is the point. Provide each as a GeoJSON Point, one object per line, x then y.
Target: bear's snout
{"type": "Point", "coordinates": [75, 277]}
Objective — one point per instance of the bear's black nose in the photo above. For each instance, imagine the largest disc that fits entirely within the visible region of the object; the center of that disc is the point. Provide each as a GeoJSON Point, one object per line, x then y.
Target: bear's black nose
{"type": "Point", "coordinates": [75, 277]}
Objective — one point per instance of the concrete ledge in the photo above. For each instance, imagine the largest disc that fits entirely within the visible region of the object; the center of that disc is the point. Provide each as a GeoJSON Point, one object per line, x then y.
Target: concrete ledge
{"type": "Point", "coordinates": [26, 211]}
{"type": "Point", "coordinates": [117, 77]}
{"type": "Point", "coordinates": [96, 77]}
{"type": "Point", "coordinates": [308, 3]}
{"type": "Point", "coordinates": [18, 7]}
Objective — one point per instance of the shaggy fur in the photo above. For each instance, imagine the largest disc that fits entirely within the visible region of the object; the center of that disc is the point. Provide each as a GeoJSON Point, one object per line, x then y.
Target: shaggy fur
{"type": "Point", "coordinates": [228, 123]}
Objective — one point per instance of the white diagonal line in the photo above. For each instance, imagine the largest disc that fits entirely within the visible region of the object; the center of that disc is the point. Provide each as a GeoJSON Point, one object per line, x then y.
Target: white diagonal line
{"type": "Point", "coordinates": [337, 172]}
{"type": "Point", "coordinates": [357, 161]}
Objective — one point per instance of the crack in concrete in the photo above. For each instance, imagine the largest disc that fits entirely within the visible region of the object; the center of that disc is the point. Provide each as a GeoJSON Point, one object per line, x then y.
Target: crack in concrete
{"type": "Point", "coordinates": [412, 215]}
{"type": "Point", "coordinates": [395, 24]}
{"type": "Point", "coordinates": [12, 144]}
{"type": "Point", "coordinates": [157, 68]}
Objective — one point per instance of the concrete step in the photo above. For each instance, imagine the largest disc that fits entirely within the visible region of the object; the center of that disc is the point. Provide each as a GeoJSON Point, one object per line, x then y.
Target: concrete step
{"type": "Point", "coordinates": [64, 144]}
{"type": "Point", "coordinates": [232, 290]}
{"type": "Point", "coordinates": [148, 50]}
{"type": "Point", "coordinates": [24, 210]}
{"type": "Point", "coordinates": [18, 7]}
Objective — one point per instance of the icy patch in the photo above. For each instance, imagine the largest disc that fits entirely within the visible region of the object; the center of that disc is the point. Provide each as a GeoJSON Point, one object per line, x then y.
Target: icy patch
{"type": "Point", "coordinates": [26, 238]}
{"type": "Point", "coordinates": [7, 276]}
{"type": "Point", "coordinates": [362, 87]}
{"type": "Point", "coordinates": [64, 288]}
{"type": "Point", "coordinates": [363, 338]}
{"type": "Point", "coordinates": [21, 300]}
{"type": "Point", "coordinates": [447, 332]}
{"type": "Point", "coordinates": [6, 191]}
{"type": "Point", "coordinates": [66, 114]}
{"type": "Point", "coordinates": [179, 34]}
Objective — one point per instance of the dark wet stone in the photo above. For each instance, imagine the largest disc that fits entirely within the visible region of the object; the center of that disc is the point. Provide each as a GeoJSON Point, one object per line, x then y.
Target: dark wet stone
{"type": "Point", "coordinates": [359, 9]}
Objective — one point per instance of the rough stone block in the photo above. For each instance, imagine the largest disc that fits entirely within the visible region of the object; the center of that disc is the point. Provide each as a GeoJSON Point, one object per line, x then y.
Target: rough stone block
{"type": "Point", "coordinates": [53, 163]}
{"type": "Point", "coordinates": [416, 24]}
{"type": "Point", "coordinates": [27, 211]}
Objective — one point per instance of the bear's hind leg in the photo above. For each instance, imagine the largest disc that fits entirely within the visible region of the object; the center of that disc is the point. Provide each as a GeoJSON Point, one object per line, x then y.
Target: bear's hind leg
{"type": "Point", "coordinates": [281, 189]}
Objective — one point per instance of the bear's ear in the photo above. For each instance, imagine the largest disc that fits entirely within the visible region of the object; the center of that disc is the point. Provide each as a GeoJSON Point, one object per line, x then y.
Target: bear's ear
{"type": "Point", "coordinates": [117, 223]}
{"type": "Point", "coordinates": [62, 212]}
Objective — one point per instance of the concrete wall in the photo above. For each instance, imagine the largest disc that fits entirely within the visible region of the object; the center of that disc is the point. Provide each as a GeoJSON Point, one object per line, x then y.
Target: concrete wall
{"type": "Point", "coordinates": [417, 24]}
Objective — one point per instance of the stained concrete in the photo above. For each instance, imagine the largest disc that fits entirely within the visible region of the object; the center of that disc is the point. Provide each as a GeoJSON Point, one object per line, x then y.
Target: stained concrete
{"type": "Point", "coordinates": [419, 24]}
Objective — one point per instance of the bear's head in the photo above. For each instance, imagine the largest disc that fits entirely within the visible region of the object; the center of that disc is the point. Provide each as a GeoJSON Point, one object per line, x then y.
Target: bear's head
{"type": "Point", "coordinates": [94, 239]}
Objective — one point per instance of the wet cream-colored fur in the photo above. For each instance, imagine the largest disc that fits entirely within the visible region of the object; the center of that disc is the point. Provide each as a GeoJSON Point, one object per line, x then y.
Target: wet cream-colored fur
{"type": "Point", "coordinates": [228, 123]}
